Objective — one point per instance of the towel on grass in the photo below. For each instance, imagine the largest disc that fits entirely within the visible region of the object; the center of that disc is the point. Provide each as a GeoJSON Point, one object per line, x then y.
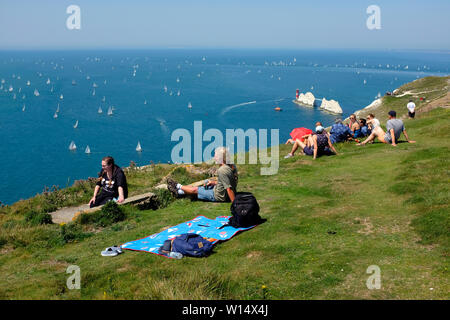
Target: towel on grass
{"type": "Point", "coordinates": [201, 225]}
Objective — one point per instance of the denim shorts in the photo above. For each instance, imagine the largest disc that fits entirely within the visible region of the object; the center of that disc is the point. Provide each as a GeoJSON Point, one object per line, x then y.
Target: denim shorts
{"type": "Point", "coordinates": [206, 193]}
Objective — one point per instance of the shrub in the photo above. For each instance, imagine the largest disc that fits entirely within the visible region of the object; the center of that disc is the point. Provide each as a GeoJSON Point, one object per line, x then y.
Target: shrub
{"type": "Point", "coordinates": [163, 198]}
{"type": "Point", "coordinates": [36, 218]}
{"type": "Point", "coordinates": [109, 214]}
{"type": "Point", "coordinates": [71, 232]}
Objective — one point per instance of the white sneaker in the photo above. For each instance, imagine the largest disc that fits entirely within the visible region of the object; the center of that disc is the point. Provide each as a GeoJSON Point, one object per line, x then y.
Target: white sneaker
{"type": "Point", "coordinates": [288, 156]}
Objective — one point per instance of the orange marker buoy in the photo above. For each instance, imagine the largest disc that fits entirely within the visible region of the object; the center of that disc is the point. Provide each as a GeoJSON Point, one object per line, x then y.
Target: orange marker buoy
{"type": "Point", "coordinates": [277, 109]}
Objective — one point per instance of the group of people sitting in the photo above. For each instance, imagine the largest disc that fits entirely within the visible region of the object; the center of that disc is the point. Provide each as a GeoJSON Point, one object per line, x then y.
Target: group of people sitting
{"type": "Point", "coordinates": [113, 183]}
{"type": "Point", "coordinates": [320, 142]}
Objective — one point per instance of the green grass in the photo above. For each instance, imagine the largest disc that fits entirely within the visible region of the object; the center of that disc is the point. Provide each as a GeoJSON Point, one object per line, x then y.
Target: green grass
{"type": "Point", "coordinates": [328, 220]}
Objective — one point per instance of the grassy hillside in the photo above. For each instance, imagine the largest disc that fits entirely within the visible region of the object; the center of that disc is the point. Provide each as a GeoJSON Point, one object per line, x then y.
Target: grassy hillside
{"type": "Point", "coordinates": [328, 220]}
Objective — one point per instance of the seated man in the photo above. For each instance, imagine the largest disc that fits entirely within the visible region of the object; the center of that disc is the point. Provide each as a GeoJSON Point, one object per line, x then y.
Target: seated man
{"type": "Point", "coordinates": [394, 128]}
{"type": "Point", "coordinates": [319, 144]}
{"type": "Point", "coordinates": [222, 190]}
{"type": "Point", "coordinates": [340, 132]}
{"type": "Point", "coordinates": [305, 140]}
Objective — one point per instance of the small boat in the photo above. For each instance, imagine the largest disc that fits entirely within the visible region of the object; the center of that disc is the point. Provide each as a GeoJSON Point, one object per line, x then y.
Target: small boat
{"type": "Point", "coordinates": [75, 125]}
{"type": "Point", "coordinates": [28, 83]}
{"type": "Point", "coordinates": [72, 146]}
{"type": "Point", "coordinates": [10, 88]}
{"type": "Point", "coordinates": [93, 92]}
{"type": "Point", "coordinates": [55, 115]}
{"type": "Point", "coordinates": [23, 109]}
{"type": "Point", "coordinates": [87, 150]}
{"type": "Point", "coordinates": [100, 110]}
{"type": "Point", "coordinates": [277, 109]}
{"type": "Point", "coordinates": [110, 111]}
{"type": "Point", "coordinates": [61, 97]}
{"type": "Point", "coordinates": [103, 99]}
{"type": "Point", "coordinates": [165, 88]}
{"type": "Point", "coordinates": [94, 85]}
{"type": "Point", "coordinates": [138, 147]}
{"type": "Point", "coordinates": [36, 92]}
{"type": "Point", "coordinates": [145, 101]}
{"type": "Point", "coordinates": [178, 79]}
{"type": "Point", "coordinates": [74, 83]}
{"type": "Point", "coordinates": [190, 105]}
{"type": "Point", "coordinates": [57, 109]}
{"type": "Point", "coordinates": [48, 81]}
{"type": "Point", "coordinates": [178, 93]}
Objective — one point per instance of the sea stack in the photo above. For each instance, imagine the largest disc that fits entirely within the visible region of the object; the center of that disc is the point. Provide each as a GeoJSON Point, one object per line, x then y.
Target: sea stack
{"type": "Point", "coordinates": [331, 106]}
{"type": "Point", "coordinates": [306, 99]}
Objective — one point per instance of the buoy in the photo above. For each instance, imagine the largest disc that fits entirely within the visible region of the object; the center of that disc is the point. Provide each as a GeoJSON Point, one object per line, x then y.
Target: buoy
{"type": "Point", "coordinates": [277, 109]}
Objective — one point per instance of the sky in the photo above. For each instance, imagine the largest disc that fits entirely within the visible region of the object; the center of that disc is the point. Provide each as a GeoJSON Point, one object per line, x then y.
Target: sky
{"type": "Point", "coordinates": [281, 24]}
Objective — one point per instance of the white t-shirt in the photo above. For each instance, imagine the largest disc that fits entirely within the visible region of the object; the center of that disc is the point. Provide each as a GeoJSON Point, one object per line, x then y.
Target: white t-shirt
{"type": "Point", "coordinates": [411, 106]}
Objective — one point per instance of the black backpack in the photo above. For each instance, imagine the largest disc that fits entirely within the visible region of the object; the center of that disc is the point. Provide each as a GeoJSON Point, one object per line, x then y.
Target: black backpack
{"type": "Point", "coordinates": [245, 211]}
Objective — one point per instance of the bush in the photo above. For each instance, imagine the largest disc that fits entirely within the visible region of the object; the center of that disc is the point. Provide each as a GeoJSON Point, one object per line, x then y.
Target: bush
{"type": "Point", "coordinates": [109, 214]}
{"type": "Point", "coordinates": [71, 232]}
{"type": "Point", "coordinates": [163, 198]}
{"type": "Point", "coordinates": [36, 218]}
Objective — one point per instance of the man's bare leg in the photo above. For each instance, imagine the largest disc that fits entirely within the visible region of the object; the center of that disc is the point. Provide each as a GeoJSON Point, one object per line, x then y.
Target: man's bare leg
{"type": "Point", "coordinates": [376, 133]}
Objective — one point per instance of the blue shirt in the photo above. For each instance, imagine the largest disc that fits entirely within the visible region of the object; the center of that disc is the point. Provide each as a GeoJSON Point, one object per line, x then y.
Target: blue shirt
{"type": "Point", "coordinates": [339, 132]}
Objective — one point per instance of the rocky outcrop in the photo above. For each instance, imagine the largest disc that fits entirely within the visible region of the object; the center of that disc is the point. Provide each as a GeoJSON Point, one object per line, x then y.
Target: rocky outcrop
{"type": "Point", "coordinates": [375, 104]}
{"type": "Point", "coordinates": [306, 99]}
{"type": "Point", "coordinates": [331, 106]}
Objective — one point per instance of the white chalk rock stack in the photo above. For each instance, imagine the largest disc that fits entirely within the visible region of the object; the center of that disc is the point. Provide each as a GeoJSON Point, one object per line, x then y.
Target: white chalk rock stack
{"type": "Point", "coordinates": [331, 106]}
{"type": "Point", "coordinates": [306, 99]}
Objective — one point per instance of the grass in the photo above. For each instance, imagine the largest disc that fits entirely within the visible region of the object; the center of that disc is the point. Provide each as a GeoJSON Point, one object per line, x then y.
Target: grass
{"type": "Point", "coordinates": [328, 220]}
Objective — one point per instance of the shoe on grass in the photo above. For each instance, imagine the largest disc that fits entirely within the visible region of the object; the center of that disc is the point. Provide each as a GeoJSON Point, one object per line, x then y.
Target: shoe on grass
{"type": "Point", "coordinates": [172, 186]}
{"type": "Point", "coordinates": [288, 156]}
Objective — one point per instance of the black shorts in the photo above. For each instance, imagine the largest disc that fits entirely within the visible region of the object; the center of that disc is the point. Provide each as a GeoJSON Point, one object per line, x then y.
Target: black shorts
{"type": "Point", "coordinates": [411, 114]}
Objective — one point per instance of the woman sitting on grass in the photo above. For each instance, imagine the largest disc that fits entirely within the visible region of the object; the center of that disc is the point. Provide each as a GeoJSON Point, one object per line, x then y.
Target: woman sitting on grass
{"type": "Point", "coordinates": [355, 127]}
{"type": "Point", "coordinates": [113, 183]}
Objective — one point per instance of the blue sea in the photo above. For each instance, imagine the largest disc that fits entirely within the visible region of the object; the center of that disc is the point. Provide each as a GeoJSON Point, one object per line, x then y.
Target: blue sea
{"type": "Point", "coordinates": [226, 88]}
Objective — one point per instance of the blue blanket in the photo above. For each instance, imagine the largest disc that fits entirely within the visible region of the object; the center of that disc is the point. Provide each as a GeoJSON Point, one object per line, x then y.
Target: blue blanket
{"type": "Point", "coordinates": [201, 225]}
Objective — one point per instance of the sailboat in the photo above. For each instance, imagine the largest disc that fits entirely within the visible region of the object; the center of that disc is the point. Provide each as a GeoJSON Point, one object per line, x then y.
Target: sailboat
{"type": "Point", "coordinates": [28, 83]}
{"type": "Point", "coordinates": [61, 96]}
{"type": "Point", "coordinates": [103, 99]}
{"type": "Point", "coordinates": [93, 92]}
{"type": "Point", "coordinates": [95, 85]}
{"type": "Point", "coordinates": [190, 105]}
{"type": "Point", "coordinates": [87, 150]}
{"type": "Point", "coordinates": [145, 101]}
{"type": "Point", "coordinates": [51, 90]}
{"type": "Point", "coordinates": [10, 88]}
{"type": "Point", "coordinates": [100, 110]}
{"type": "Point", "coordinates": [23, 109]}
{"type": "Point", "coordinates": [57, 109]}
{"type": "Point", "coordinates": [36, 92]}
{"type": "Point", "coordinates": [72, 146]}
{"type": "Point", "coordinates": [55, 115]}
{"type": "Point", "coordinates": [110, 111]}
{"type": "Point", "coordinates": [138, 147]}
{"type": "Point", "coordinates": [74, 83]}
{"type": "Point", "coordinates": [165, 88]}
{"type": "Point", "coordinates": [178, 79]}
{"type": "Point", "coordinates": [48, 80]}
{"type": "Point", "coordinates": [178, 93]}
{"type": "Point", "coordinates": [75, 125]}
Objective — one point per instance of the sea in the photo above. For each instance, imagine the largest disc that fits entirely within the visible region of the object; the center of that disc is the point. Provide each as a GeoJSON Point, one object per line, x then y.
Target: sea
{"type": "Point", "coordinates": [49, 99]}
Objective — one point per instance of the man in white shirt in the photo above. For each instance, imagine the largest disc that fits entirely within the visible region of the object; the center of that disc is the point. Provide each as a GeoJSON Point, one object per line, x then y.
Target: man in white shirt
{"type": "Point", "coordinates": [411, 109]}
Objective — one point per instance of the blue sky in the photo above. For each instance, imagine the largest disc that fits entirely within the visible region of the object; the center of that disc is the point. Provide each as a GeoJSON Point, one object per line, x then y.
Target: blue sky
{"type": "Point", "coordinates": [405, 24]}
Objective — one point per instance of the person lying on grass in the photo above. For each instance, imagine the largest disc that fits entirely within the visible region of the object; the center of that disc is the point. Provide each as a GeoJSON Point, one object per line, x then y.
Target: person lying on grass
{"type": "Point", "coordinates": [305, 140]}
{"type": "Point", "coordinates": [318, 144]}
{"type": "Point", "coordinates": [394, 128]}
{"type": "Point", "coordinates": [113, 183]}
{"type": "Point", "coordinates": [222, 190]}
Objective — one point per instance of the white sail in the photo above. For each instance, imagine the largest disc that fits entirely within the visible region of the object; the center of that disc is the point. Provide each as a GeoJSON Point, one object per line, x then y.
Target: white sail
{"type": "Point", "coordinates": [72, 146]}
{"type": "Point", "coordinates": [55, 115]}
{"type": "Point", "coordinates": [145, 101]}
{"type": "Point", "coordinates": [138, 147]}
{"type": "Point", "coordinates": [95, 85]}
{"type": "Point", "coordinates": [23, 109]}
{"type": "Point", "coordinates": [189, 105]}
{"type": "Point", "coordinates": [57, 109]}
{"type": "Point", "coordinates": [165, 88]}
{"type": "Point", "coordinates": [103, 99]}
{"type": "Point", "coordinates": [87, 150]}
{"type": "Point", "coordinates": [28, 83]}
{"type": "Point", "coordinates": [93, 92]}
{"type": "Point", "coordinates": [110, 112]}
{"type": "Point", "coordinates": [100, 110]}
{"type": "Point", "coordinates": [36, 92]}
{"type": "Point", "coordinates": [75, 125]}
{"type": "Point", "coordinates": [178, 93]}
{"type": "Point", "coordinates": [61, 96]}
{"type": "Point", "coordinates": [48, 80]}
